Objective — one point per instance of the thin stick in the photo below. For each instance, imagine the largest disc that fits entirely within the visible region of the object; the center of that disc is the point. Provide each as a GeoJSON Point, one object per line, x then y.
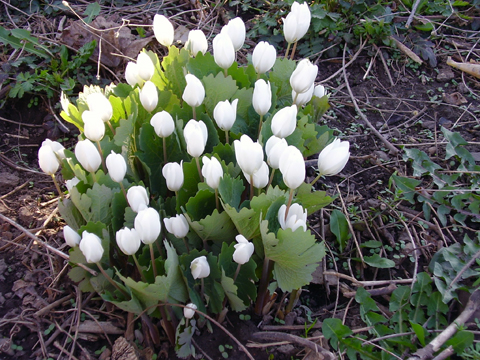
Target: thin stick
{"type": "Point", "coordinates": [139, 268]}
{"type": "Point", "coordinates": [387, 143]}
{"type": "Point", "coordinates": [110, 280]}
{"type": "Point", "coordinates": [412, 14]}
{"type": "Point", "coordinates": [45, 245]}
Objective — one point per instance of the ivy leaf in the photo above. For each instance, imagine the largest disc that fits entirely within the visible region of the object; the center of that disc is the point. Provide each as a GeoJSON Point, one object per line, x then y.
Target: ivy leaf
{"type": "Point", "coordinates": [407, 186]}
{"type": "Point", "coordinates": [296, 256]}
{"type": "Point", "coordinates": [333, 330]}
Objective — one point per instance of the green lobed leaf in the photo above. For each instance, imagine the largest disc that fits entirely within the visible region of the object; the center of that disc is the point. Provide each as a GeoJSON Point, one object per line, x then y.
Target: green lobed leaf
{"type": "Point", "coordinates": [203, 65]}
{"type": "Point", "coordinates": [132, 306]}
{"type": "Point", "coordinates": [333, 330]}
{"type": "Point", "coordinates": [312, 201]}
{"type": "Point", "coordinates": [419, 332]}
{"type": "Point", "coordinates": [231, 190]}
{"type": "Point", "coordinates": [280, 77]}
{"type": "Point", "coordinates": [231, 289]}
{"type": "Point", "coordinates": [217, 88]}
{"type": "Point", "coordinates": [296, 256]}
{"type": "Point", "coordinates": [247, 290]}
{"type": "Point", "coordinates": [217, 227]}
{"type": "Point", "coordinates": [407, 185]}
{"type": "Point", "coordinates": [184, 348]}
{"type": "Point", "coordinates": [70, 214]}
{"type": "Point", "coordinates": [460, 341]}
{"type": "Point", "coordinates": [201, 205]}
{"type": "Point", "coordinates": [173, 65]}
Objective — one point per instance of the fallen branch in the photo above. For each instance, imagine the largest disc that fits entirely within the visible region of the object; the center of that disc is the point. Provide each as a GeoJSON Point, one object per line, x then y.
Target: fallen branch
{"type": "Point", "coordinates": [278, 336]}
{"type": "Point", "coordinates": [393, 150]}
{"type": "Point", "coordinates": [428, 351]}
{"type": "Point", "coordinates": [44, 244]}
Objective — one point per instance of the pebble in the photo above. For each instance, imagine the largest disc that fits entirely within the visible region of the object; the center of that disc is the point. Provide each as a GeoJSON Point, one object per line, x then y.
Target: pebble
{"type": "Point", "coordinates": [8, 179]}
{"type": "Point", "coordinates": [445, 74]}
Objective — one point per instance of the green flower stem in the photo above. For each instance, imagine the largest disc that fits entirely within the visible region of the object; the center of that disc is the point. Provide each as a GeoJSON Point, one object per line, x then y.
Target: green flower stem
{"type": "Point", "coordinates": [288, 49]}
{"type": "Point", "coordinates": [94, 177]}
{"type": "Point", "coordinates": [293, 50]}
{"type": "Point", "coordinates": [202, 288]}
{"type": "Point", "coordinates": [226, 136]}
{"type": "Point", "coordinates": [123, 190]}
{"type": "Point", "coordinates": [101, 155]}
{"type": "Point", "coordinates": [251, 187]}
{"type": "Point", "coordinates": [296, 96]}
{"type": "Point", "coordinates": [236, 272]}
{"type": "Point", "coordinates": [152, 255]}
{"type": "Point", "coordinates": [225, 72]}
{"type": "Point", "coordinates": [186, 244]}
{"type": "Point", "coordinates": [139, 268]}
{"type": "Point", "coordinates": [260, 126]}
{"type": "Point", "coordinates": [316, 179]}
{"type": "Point", "coordinates": [111, 127]}
{"type": "Point", "coordinates": [199, 168]}
{"type": "Point", "coordinates": [60, 192]}
{"type": "Point", "coordinates": [111, 280]}
{"type": "Point", "coordinates": [194, 113]}
{"type": "Point", "coordinates": [217, 203]}
{"type": "Point", "coordinates": [271, 178]}
{"type": "Point", "coordinates": [263, 285]}
{"type": "Point", "coordinates": [294, 295]}
{"type": "Point", "coordinates": [290, 198]}
{"type": "Point", "coordinates": [164, 151]}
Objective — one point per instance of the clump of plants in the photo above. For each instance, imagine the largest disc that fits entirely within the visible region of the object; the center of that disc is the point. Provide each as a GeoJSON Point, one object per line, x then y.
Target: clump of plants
{"type": "Point", "coordinates": [187, 185]}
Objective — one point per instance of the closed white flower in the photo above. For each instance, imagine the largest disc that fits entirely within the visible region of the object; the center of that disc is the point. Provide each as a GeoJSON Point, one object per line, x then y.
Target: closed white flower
{"type": "Point", "coordinates": [91, 247]}
{"type": "Point", "coordinates": [163, 30]}
{"type": "Point", "coordinates": [223, 51]}
{"type": "Point", "coordinates": [149, 96]}
{"type": "Point", "coordinates": [284, 121]}
{"type": "Point", "coordinates": [173, 174]}
{"type": "Point", "coordinates": [47, 160]}
{"type": "Point", "coordinates": [128, 240]}
{"type": "Point", "coordinates": [297, 22]}
{"type": "Point", "coordinates": [196, 42]}
{"type": "Point", "coordinates": [303, 76]}
{"type": "Point", "coordinates": [137, 198]}
{"type": "Point", "coordinates": [148, 226]}
{"type": "Point", "coordinates": [212, 171]}
{"type": "Point", "coordinates": [178, 226]}
{"type": "Point", "coordinates": [132, 76]}
{"type": "Point", "coordinates": [163, 124]}
{"type": "Point", "coordinates": [194, 92]}
{"type": "Point", "coordinates": [196, 135]}
{"type": "Point", "coordinates": [117, 166]}
{"type": "Point", "coordinates": [292, 167]}
{"type": "Point", "coordinates": [243, 250]}
{"type": "Point", "coordinates": [225, 114]}
{"type": "Point", "coordinates": [88, 155]}
{"type": "Point", "coordinates": [189, 310]}
{"type": "Point", "coordinates": [319, 91]}
{"type": "Point", "coordinates": [263, 57]}
{"type": "Point", "coordinates": [249, 154]}
{"type": "Point", "coordinates": [71, 236]}
{"type": "Point", "coordinates": [260, 177]}
{"type": "Point", "coordinates": [200, 268]}
{"type": "Point", "coordinates": [98, 103]}
{"type": "Point", "coordinates": [274, 149]}
{"type": "Point", "coordinates": [333, 157]}
{"type": "Point", "coordinates": [93, 126]}
{"type": "Point", "coordinates": [262, 97]}
{"type": "Point", "coordinates": [235, 29]}
{"type": "Point", "coordinates": [145, 67]}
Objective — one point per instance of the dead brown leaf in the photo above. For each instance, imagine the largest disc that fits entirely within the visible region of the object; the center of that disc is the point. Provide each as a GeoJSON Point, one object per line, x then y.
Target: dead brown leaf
{"type": "Point", "coordinates": [116, 42]}
{"type": "Point", "coordinates": [454, 99]}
